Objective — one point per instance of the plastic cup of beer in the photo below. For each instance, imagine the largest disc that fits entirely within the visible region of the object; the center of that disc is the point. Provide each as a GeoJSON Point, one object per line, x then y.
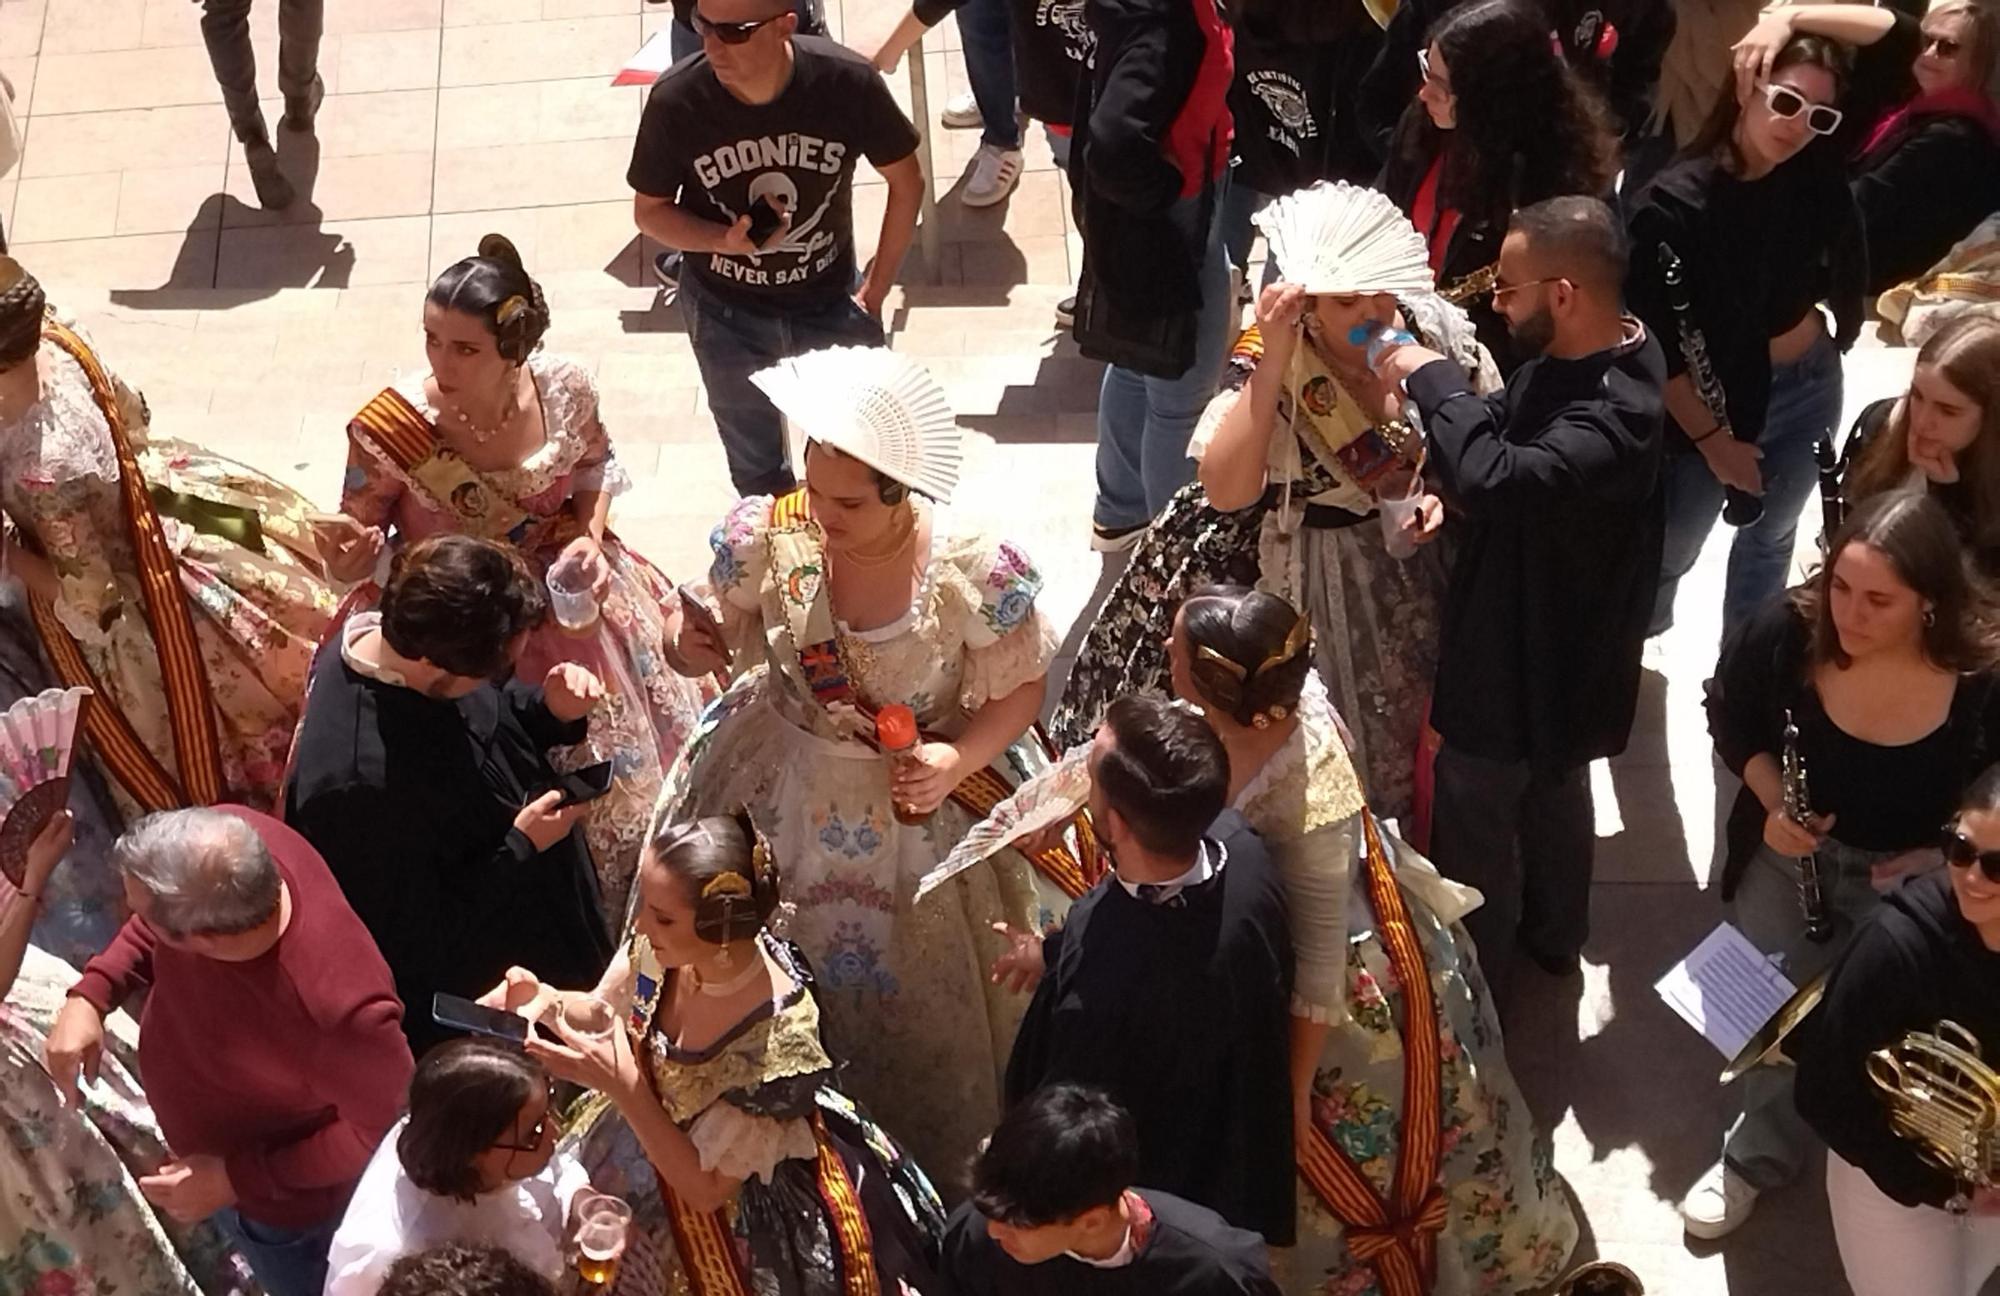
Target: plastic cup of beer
{"type": "Point", "coordinates": [572, 599]}
{"type": "Point", "coordinates": [588, 1017]}
{"type": "Point", "coordinates": [602, 1222]}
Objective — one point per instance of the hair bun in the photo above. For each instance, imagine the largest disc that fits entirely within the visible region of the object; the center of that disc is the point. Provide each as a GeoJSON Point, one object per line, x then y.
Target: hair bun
{"type": "Point", "coordinates": [498, 247]}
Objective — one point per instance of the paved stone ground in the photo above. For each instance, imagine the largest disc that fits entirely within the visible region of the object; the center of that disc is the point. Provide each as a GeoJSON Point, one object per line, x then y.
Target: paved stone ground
{"type": "Point", "coordinates": [260, 333]}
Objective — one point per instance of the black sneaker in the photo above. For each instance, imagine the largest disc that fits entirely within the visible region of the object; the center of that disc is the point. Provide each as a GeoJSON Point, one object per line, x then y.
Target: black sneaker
{"type": "Point", "coordinates": [1110, 540]}
{"type": "Point", "coordinates": [667, 269]}
{"type": "Point", "coordinates": [1066, 312]}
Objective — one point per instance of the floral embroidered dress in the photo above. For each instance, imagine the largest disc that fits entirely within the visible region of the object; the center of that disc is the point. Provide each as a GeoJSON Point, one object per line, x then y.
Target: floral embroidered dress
{"type": "Point", "coordinates": [1314, 540]}
{"type": "Point", "coordinates": [72, 1220]}
{"type": "Point", "coordinates": [1506, 1224]}
{"type": "Point", "coordinates": [237, 541]}
{"type": "Point", "coordinates": [649, 711]}
{"type": "Point", "coordinates": [910, 1012]}
{"type": "Point", "coordinates": [761, 1104]}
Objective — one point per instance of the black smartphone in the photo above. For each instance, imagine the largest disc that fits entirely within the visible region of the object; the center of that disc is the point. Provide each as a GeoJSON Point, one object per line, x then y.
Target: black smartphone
{"type": "Point", "coordinates": [764, 221]}
{"type": "Point", "coordinates": [477, 1019]}
{"type": "Point", "coordinates": [586, 784]}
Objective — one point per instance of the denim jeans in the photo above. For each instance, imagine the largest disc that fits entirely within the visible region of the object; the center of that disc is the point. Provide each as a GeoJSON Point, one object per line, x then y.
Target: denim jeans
{"type": "Point", "coordinates": [1805, 405]}
{"type": "Point", "coordinates": [1144, 423]}
{"type": "Point", "coordinates": [987, 33]}
{"type": "Point", "coordinates": [731, 342]}
{"type": "Point", "coordinates": [287, 1262]}
{"type": "Point", "coordinates": [225, 29]}
{"type": "Point", "coordinates": [1769, 1141]}
{"type": "Point", "coordinates": [1238, 233]}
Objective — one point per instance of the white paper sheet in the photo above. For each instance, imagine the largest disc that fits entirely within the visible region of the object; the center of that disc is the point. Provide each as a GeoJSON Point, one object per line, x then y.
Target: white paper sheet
{"type": "Point", "coordinates": [653, 58]}
{"type": "Point", "coordinates": [1726, 988]}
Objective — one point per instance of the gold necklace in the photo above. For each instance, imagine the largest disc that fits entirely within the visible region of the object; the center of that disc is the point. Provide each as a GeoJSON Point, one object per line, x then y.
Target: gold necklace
{"type": "Point", "coordinates": [902, 533]}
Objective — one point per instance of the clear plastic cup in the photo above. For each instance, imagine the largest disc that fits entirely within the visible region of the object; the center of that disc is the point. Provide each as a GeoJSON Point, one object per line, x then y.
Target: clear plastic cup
{"type": "Point", "coordinates": [1398, 511]}
{"type": "Point", "coordinates": [572, 598]}
{"type": "Point", "coordinates": [588, 1016]}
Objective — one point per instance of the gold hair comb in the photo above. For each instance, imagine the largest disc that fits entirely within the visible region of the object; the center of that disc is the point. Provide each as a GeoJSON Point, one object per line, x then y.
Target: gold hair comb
{"type": "Point", "coordinates": [510, 308]}
{"type": "Point", "coordinates": [726, 884]}
{"type": "Point", "coordinates": [1294, 643]}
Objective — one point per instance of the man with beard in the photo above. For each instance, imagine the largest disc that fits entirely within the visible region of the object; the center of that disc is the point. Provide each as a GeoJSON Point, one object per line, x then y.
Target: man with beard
{"type": "Point", "coordinates": [1551, 485]}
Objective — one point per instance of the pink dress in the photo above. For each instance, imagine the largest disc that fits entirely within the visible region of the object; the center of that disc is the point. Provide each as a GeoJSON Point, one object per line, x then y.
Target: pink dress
{"type": "Point", "coordinates": [650, 712]}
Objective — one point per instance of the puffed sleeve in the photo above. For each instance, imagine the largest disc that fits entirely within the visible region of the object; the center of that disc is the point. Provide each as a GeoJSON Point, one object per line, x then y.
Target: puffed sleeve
{"type": "Point", "coordinates": [736, 1144]}
{"type": "Point", "coordinates": [1008, 641]}
{"type": "Point", "coordinates": [741, 553]}
{"type": "Point", "coordinates": [1236, 373]}
{"type": "Point", "coordinates": [368, 489]}
{"type": "Point", "coordinates": [598, 469]}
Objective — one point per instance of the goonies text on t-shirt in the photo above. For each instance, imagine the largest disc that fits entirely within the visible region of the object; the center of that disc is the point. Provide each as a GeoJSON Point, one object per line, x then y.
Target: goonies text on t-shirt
{"type": "Point", "coordinates": [715, 155]}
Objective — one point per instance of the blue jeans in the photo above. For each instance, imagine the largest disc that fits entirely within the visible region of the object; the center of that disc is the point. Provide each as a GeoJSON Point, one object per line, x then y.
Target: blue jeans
{"type": "Point", "coordinates": [1238, 233]}
{"type": "Point", "coordinates": [731, 342]}
{"type": "Point", "coordinates": [1805, 405]}
{"type": "Point", "coordinates": [287, 1262]}
{"type": "Point", "coordinates": [1144, 423]}
{"type": "Point", "coordinates": [987, 34]}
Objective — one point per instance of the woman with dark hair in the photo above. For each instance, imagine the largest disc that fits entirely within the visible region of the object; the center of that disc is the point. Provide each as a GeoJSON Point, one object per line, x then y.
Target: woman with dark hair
{"type": "Point", "coordinates": [1734, 247]}
{"type": "Point", "coordinates": [1942, 436]}
{"type": "Point", "coordinates": [1363, 1003]}
{"type": "Point", "coordinates": [500, 440]}
{"type": "Point", "coordinates": [475, 1161]}
{"type": "Point", "coordinates": [1929, 962]}
{"type": "Point", "coordinates": [182, 588]}
{"type": "Point", "coordinates": [1877, 678]}
{"type": "Point", "coordinates": [1501, 121]}
{"type": "Point", "coordinates": [1927, 167]}
{"type": "Point", "coordinates": [1289, 499]}
{"type": "Point", "coordinates": [747, 1167]}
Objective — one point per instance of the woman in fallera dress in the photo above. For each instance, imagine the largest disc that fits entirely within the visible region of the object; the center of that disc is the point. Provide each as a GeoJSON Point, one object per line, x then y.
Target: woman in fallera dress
{"type": "Point", "coordinates": [182, 588]}
{"type": "Point", "coordinates": [502, 440]}
{"type": "Point", "coordinates": [836, 601]}
{"type": "Point", "coordinates": [748, 1167]}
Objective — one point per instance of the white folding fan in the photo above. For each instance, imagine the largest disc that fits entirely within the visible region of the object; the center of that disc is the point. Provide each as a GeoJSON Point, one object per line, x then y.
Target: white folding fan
{"type": "Point", "coordinates": [883, 408]}
{"type": "Point", "coordinates": [37, 736]}
{"type": "Point", "coordinates": [1341, 238]}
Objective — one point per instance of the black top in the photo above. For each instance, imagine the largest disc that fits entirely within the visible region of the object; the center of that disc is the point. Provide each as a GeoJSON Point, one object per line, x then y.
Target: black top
{"type": "Point", "coordinates": [1922, 188]}
{"type": "Point", "coordinates": [1881, 77]}
{"type": "Point", "coordinates": [1051, 46]}
{"type": "Point", "coordinates": [1885, 798]}
{"type": "Point", "coordinates": [1756, 256]}
{"type": "Point", "coordinates": [1955, 496]}
{"type": "Point", "coordinates": [411, 800]}
{"type": "Point", "coordinates": [715, 155]}
{"type": "Point", "coordinates": [1550, 486]}
{"type": "Point", "coordinates": [1299, 65]}
{"type": "Point", "coordinates": [1191, 1251]}
{"type": "Point", "coordinates": [1181, 1012]}
{"type": "Point", "coordinates": [1915, 963]}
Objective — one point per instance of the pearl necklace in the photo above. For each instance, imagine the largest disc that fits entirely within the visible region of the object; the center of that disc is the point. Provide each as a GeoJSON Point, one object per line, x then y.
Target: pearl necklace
{"type": "Point", "coordinates": [480, 435]}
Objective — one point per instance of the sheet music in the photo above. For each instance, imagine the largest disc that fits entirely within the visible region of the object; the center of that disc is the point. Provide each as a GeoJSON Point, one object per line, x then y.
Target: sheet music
{"type": "Point", "coordinates": [1725, 988]}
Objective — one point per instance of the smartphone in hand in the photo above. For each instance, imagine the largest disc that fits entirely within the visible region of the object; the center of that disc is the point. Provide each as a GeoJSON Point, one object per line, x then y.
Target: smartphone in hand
{"type": "Point", "coordinates": [586, 784]}
{"type": "Point", "coordinates": [461, 1014]}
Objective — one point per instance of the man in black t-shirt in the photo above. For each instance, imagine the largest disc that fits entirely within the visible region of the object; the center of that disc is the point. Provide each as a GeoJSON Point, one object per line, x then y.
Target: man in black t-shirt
{"type": "Point", "coordinates": [1053, 1210]}
{"type": "Point", "coordinates": [764, 127]}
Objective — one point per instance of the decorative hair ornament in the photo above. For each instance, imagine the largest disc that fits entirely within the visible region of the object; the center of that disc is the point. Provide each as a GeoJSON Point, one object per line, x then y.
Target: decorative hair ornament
{"type": "Point", "coordinates": [1295, 643]}
{"type": "Point", "coordinates": [510, 308]}
{"type": "Point", "coordinates": [726, 884]}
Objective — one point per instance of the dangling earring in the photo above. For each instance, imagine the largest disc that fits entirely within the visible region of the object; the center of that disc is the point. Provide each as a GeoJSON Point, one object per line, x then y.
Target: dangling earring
{"type": "Point", "coordinates": [1930, 616]}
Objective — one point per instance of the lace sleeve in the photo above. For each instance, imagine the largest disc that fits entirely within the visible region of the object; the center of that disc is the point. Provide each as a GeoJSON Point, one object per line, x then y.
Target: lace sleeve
{"type": "Point", "coordinates": [598, 469]}
{"type": "Point", "coordinates": [1318, 872]}
{"type": "Point", "coordinates": [733, 1143]}
{"type": "Point", "coordinates": [1008, 641]}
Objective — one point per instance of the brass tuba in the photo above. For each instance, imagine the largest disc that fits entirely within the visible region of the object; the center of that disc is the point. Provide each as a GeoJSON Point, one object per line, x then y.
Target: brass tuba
{"type": "Point", "coordinates": [1943, 1098]}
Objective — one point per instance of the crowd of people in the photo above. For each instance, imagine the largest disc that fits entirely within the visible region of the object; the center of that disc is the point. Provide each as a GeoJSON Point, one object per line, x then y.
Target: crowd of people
{"type": "Point", "coordinates": [437, 870]}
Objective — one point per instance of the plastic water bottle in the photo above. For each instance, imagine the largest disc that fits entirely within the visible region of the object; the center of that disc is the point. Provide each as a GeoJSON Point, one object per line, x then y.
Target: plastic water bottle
{"type": "Point", "coordinates": [1378, 338]}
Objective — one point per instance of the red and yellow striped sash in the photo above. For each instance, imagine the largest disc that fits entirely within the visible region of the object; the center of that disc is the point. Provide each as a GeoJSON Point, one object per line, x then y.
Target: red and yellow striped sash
{"type": "Point", "coordinates": [397, 429]}
{"type": "Point", "coordinates": [850, 1224]}
{"type": "Point", "coordinates": [707, 1249]}
{"type": "Point", "coordinates": [1398, 1237]}
{"type": "Point", "coordinates": [190, 711]}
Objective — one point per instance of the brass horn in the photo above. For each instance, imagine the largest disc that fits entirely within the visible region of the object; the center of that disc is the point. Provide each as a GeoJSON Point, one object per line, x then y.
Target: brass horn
{"type": "Point", "coordinates": [1943, 1098]}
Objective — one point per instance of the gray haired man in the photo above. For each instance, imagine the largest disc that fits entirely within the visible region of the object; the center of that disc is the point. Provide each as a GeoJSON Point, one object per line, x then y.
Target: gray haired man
{"type": "Point", "coordinates": [225, 28]}
{"type": "Point", "coordinates": [270, 1043]}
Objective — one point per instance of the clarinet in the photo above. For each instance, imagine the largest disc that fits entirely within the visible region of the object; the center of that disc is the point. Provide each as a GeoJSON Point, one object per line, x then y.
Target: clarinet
{"type": "Point", "coordinates": [1798, 809]}
{"type": "Point", "coordinates": [1832, 506]}
{"type": "Point", "coordinates": [1740, 508]}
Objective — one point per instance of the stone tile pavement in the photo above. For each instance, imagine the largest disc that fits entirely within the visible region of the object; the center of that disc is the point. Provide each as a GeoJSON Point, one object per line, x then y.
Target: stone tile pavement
{"type": "Point", "coordinates": [261, 333]}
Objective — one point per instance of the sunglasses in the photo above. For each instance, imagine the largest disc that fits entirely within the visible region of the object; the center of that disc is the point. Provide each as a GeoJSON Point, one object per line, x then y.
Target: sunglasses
{"type": "Point", "coordinates": [730, 33]}
{"type": "Point", "coordinates": [1945, 46]}
{"type": "Point", "coordinates": [1788, 103]}
{"type": "Point", "coordinates": [1959, 852]}
{"type": "Point", "coordinates": [541, 1127]}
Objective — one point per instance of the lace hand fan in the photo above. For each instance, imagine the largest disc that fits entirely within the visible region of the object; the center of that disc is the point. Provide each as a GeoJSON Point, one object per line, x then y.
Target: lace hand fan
{"type": "Point", "coordinates": [1340, 238]}
{"type": "Point", "coordinates": [37, 737]}
{"type": "Point", "coordinates": [883, 408]}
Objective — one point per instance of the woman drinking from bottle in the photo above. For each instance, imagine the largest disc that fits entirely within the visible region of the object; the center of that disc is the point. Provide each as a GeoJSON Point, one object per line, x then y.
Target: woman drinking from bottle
{"type": "Point", "coordinates": [1871, 691]}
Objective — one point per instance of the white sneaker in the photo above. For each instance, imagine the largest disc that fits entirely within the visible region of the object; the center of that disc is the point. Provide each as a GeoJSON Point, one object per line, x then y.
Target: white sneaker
{"type": "Point", "coordinates": [1718, 1203]}
{"type": "Point", "coordinates": [961, 112]}
{"type": "Point", "coordinates": [995, 172]}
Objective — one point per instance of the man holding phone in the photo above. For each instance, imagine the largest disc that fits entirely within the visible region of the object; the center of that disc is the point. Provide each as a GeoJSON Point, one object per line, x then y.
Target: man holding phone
{"type": "Point", "coordinates": [427, 785]}
{"type": "Point", "coordinates": [745, 162]}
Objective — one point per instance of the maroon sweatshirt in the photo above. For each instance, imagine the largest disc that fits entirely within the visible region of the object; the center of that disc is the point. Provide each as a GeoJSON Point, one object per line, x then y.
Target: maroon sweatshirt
{"type": "Point", "coordinates": [291, 1066]}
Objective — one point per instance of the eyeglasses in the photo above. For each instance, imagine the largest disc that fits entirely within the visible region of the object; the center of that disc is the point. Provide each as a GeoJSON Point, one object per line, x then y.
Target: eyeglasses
{"type": "Point", "coordinates": [1945, 46]}
{"type": "Point", "coordinates": [1788, 103]}
{"type": "Point", "coordinates": [730, 33]}
{"type": "Point", "coordinates": [1500, 290]}
{"type": "Point", "coordinates": [541, 1127]}
{"type": "Point", "coordinates": [1960, 852]}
